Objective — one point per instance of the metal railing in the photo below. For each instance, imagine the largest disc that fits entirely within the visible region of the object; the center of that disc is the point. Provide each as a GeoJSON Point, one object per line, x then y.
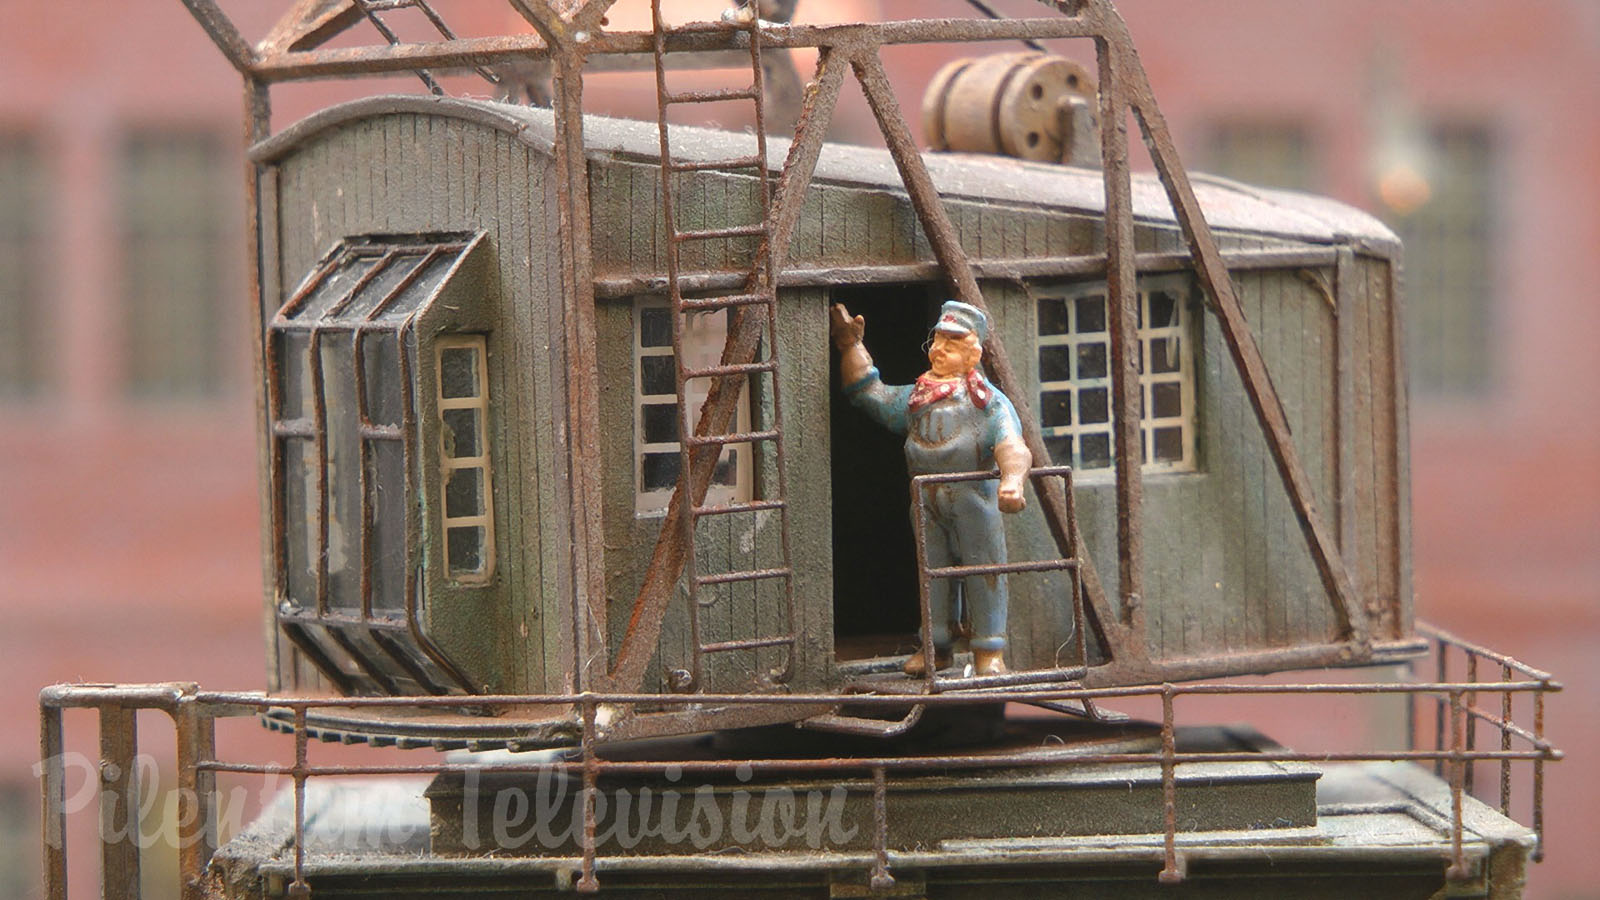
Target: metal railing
{"type": "Point", "coordinates": [1454, 753]}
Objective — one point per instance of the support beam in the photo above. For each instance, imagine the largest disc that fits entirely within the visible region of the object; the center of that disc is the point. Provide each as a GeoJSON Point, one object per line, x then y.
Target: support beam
{"type": "Point", "coordinates": [1235, 330]}
{"type": "Point", "coordinates": [222, 32]}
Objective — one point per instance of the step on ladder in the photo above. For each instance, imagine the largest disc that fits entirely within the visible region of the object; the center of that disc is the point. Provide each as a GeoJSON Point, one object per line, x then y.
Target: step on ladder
{"type": "Point", "coordinates": [757, 296]}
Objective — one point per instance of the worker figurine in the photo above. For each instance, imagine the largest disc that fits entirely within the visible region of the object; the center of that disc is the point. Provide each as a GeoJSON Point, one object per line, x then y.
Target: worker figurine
{"type": "Point", "coordinates": [954, 421]}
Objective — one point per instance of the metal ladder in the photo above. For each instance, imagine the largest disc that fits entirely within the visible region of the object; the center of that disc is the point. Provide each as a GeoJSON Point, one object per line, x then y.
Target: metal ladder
{"type": "Point", "coordinates": [757, 296]}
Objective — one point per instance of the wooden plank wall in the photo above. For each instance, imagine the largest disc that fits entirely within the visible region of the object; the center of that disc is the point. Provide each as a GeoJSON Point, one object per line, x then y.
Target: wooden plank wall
{"type": "Point", "coordinates": [402, 173]}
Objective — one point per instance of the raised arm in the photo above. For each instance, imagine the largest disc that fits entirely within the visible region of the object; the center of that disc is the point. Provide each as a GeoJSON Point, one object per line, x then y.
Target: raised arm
{"type": "Point", "coordinates": [846, 331]}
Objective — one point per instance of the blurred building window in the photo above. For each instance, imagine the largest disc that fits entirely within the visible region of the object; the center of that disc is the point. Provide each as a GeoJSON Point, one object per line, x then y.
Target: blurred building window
{"type": "Point", "coordinates": [174, 215]}
{"type": "Point", "coordinates": [1274, 154]}
{"type": "Point", "coordinates": [23, 341]}
{"type": "Point", "coordinates": [1449, 263]}
{"type": "Point", "coordinates": [18, 876]}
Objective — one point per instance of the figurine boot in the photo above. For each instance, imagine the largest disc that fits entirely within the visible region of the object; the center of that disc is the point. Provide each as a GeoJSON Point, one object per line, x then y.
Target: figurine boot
{"type": "Point", "coordinates": [917, 665]}
{"type": "Point", "coordinates": [988, 662]}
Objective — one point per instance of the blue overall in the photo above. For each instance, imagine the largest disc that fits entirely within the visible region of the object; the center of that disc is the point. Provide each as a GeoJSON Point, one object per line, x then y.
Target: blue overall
{"type": "Point", "coordinates": [964, 527]}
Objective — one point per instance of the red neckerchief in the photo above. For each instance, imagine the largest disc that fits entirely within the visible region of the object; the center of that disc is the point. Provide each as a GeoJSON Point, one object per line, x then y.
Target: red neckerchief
{"type": "Point", "coordinates": [929, 391]}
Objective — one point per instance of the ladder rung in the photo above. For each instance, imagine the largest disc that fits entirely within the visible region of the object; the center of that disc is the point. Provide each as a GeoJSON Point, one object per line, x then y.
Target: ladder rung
{"type": "Point", "coordinates": [742, 162]}
{"type": "Point", "coordinates": [770, 365]}
{"type": "Point", "coordinates": [727, 508]}
{"type": "Point", "coordinates": [1049, 565]}
{"type": "Point", "coordinates": [712, 96]}
{"type": "Point", "coordinates": [699, 303]}
{"type": "Point", "coordinates": [743, 437]}
{"type": "Point", "coordinates": [711, 234]}
{"type": "Point", "coordinates": [745, 575]}
{"type": "Point", "coordinates": [752, 644]}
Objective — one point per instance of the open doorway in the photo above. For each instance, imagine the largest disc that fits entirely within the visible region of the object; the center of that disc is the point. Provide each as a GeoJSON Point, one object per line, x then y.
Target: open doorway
{"type": "Point", "coordinates": [874, 559]}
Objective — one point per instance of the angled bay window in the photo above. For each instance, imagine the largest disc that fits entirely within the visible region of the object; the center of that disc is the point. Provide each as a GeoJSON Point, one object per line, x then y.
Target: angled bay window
{"type": "Point", "coordinates": [376, 329]}
{"type": "Point", "coordinates": [1074, 347]}
{"type": "Point", "coordinates": [657, 450]}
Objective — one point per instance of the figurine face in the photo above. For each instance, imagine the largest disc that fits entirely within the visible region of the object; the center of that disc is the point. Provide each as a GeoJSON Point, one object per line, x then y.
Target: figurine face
{"type": "Point", "coordinates": [950, 355]}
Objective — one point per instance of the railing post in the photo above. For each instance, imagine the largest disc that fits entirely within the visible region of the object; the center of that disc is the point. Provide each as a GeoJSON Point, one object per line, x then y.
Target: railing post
{"type": "Point", "coordinates": [119, 803]}
{"type": "Point", "coordinates": [1538, 771]}
{"type": "Point", "coordinates": [588, 883]}
{"type": "Point", "coordinates": [197, 796]}
{"type": "Point", "coordinates": [299, 888]}
{"type": "Point", "coordinates": [1172, 867]}
{"type": "Point", "coordinates": [52, 788]}
{"type": "Point", "coordinates": [880, 879]}
{"type": "Point", "coordinates": [1505, 742]}
{"type": "Point", "coordinates": [1458, 766]}
{"type": "Point", "coordinates": [1470, 778]}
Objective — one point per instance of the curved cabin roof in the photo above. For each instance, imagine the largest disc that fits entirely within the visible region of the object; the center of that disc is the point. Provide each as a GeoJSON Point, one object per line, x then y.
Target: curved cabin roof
{"type": "Point", "coordinates": [1228, 205]}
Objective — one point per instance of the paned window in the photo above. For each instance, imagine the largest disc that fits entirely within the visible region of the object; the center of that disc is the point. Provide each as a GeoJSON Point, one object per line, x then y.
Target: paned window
{"type": "Point", "coordinates": [463, 403]}
{"type": "Point", "coordinates": [1075, 406]}
{"type": "Point", "coordinates": [1266, 153]}
{"type": "Point", "coordinates": [174, 218]}
{"type": "Point", "coordinates": [1450, 265]}
{"type": "Point", "coordinates": [23, 348]}
{"type": "Point", "coordinates": [656, 428]}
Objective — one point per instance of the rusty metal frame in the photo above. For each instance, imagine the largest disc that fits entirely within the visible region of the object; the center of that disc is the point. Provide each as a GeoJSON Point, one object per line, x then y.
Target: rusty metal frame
{"type": "Point", "coordinates": [1459, 716]}
{"type": "Point", "coordinates": [570, 36]}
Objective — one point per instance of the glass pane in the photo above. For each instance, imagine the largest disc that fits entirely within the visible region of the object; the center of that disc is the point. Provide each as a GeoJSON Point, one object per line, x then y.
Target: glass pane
{"type": "Point", "coordinates": [461, 433]}
{"type": "Point", "coordinates": [1055, 363]}
{"type": "Point", "coordinates": [657, 375]}
{"type": "Point", "coordinates": [655, 326]}
{"type": "Point", "coordinates": [300, 521]}
{"type": "Point", "coordinates": [458, 372]}
{"type": "Point", "coordinates": [727, 472]}
{"type": "Point", "coordinates": [1092, 361]}
{"type": "Point", "coordinates": [332, 289]}
{"type": "Point", "coordinates": [343, 446]}
{"type": "Point", "coordinates": [1060, 449]}
{"type": "Point", "coordinates": [660, 423]}
{"type": "Point", "coordinates": [374, 292]}
{"type": "Point", "coordinates": [1163, 310]}
{"type": "Point", "coordinates": [1167, 399]}
{"type": "Point", "coordinates": [1091, 314]}
{"type": "Point", "coordinates": [1169, 444]}
{"type": "Point", "coordinates": [294, 382]}
{"type": "Point", "coordinates": [380, 364]}
{"type": "Point", "coordinates": [1092, 406]}
{"type": "Point", "coordinates": [1096, 451]}
{"type": "Point", "coordinates": [386, 504]}
{"type": "Point", "coordinates": [465, 550]}
{"type": "Point", "coordinates": [417, 292]}
{"type": "Point", "coordinates": [1055, 408]}
{"type": "Point", "coordinates": [463, 493]}
{"type": "Point", "coordinates": [660, 470]}
{"type": "Point", "coordinates": [1164, 354]}
{"type": "Point", "coordinates": [1053, 316]}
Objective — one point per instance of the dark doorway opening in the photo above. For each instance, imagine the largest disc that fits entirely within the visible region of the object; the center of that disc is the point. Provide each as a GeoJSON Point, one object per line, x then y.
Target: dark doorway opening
{"type": "Point", "coordinates": [874, 559]}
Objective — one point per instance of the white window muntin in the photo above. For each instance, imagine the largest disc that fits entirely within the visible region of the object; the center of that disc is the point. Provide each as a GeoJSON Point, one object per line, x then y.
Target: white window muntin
{"type": "Point", "coordinates": [466, 496]}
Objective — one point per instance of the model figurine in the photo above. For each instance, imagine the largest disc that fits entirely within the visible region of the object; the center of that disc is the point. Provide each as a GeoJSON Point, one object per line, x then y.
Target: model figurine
{"type": "Point", "coordinates": [954, 421]}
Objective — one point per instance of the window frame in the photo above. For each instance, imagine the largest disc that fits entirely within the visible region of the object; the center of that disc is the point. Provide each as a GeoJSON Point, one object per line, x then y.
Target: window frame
{"type": "Point", "coordinates": [449, 464]}
{"type": "Point", "coordinates": [1188, 332]}
{"type": "Point", "coordinates": [653, 503]}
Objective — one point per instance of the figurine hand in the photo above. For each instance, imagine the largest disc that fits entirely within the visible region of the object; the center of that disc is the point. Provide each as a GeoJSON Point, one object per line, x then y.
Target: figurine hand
{"type": "Point", "coordinates": [1012, 499]}
{"type": "Point", "coordinates": [845, 330]}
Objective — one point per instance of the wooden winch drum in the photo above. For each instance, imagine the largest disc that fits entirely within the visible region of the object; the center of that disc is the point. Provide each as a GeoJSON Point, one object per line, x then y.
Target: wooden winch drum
{"type": "Point", "coordinates": [1008, 103]}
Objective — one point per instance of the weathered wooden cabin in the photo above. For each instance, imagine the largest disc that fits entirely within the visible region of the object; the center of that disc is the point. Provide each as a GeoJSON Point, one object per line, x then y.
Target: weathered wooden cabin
{"type": "Point", "coordinates": [427, 529]}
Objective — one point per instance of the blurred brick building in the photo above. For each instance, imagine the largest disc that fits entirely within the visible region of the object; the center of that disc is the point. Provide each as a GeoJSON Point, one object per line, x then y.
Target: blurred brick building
{"type": "Point", "coordinates": [128, 502]}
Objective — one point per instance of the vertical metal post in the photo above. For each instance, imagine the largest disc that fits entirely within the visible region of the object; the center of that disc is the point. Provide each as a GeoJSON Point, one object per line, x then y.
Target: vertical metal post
{"type": "Point", "coordinates": [587, 882]}
{"type": "Point", "coordinates": [1469, 780]}
{"type": "Point", "coordinates": [299, 888]}
{"type": "Point", "coordinates": [197, 796]}
{"type": "Point", "coordinates": [119, 804]}
{"type": "Point", "coordinates": [1441, 674]}
{"type": "Point", "coordinates": [1505, 742]}
{"type": "Point", "coordinates": [880, 879]}
{"type": "Point", "coordinates": [52, 788]}
{"type": "Point", "coordinates": [919, 534]}
{"type": "Point", "coordinates": [1538, 771]}
{"type": "Point", "coordinates": [1458, 765]}
{"type": "Point", "coordinates": [1172, 867]}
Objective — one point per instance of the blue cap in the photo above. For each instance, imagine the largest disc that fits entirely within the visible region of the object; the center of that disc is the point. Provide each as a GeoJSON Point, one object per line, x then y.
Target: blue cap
{"type": "Point", "coordinates": [962, 318]}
